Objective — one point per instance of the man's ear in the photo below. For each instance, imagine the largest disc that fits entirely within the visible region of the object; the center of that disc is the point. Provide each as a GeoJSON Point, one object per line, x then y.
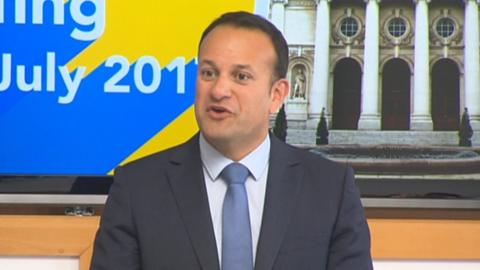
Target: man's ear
{"type": "Point", "coordinates": [279, 92]}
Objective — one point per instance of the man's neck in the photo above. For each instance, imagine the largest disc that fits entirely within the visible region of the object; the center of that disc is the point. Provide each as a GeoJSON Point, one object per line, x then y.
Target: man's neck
{"type": "Point", "coordinates": [235, 150]}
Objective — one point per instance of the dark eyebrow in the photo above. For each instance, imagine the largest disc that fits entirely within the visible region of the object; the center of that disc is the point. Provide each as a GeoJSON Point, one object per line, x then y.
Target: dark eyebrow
{"type": "Point", "coordinates": [239, 66]}
{"type": "Point", "coordinates": [208, 62]}
{"type": "Point", "coordinates": [242, 67]}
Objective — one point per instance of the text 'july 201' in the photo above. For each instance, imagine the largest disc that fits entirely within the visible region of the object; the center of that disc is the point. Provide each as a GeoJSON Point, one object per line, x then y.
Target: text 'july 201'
{"type": "Point", "coordinates": [73, 80]}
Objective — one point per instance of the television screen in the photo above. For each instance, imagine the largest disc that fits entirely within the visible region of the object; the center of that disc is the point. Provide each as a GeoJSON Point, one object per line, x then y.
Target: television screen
{"type": "Point", "coordinates": [391, 86]}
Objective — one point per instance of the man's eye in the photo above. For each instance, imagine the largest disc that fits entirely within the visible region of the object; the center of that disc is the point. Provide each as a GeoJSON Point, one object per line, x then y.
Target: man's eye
{"type": "Point", "coordinates": [242, 77]}
{"type": "Point", "coordinates": [207, 74]}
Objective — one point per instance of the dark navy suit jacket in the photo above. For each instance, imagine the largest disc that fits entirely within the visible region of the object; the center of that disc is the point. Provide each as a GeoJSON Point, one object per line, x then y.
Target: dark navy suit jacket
{"type": "Point", "coordinates": [157, 215]}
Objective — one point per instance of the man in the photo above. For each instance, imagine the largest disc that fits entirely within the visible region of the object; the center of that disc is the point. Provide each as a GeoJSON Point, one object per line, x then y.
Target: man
{"type": "Point", "coordinates": [295, 210]}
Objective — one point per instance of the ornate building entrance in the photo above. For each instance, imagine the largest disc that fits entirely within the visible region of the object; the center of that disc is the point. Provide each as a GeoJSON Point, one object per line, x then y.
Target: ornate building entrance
{"type": "Point", "coordinates": [445, 95]}
{"type": "Point", "coordinates": [346, 94]}
{"type": "Point", "coordinates": [396, 95]}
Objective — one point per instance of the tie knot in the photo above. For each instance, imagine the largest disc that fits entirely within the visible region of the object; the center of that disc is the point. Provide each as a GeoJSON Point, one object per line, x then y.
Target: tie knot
{"type": "Point", "coordinates": [235, 173]}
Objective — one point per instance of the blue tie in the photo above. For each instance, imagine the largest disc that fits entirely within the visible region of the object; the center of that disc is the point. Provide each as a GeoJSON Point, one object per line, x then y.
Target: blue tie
{"type": "Point", "coordinates": [236, 236]}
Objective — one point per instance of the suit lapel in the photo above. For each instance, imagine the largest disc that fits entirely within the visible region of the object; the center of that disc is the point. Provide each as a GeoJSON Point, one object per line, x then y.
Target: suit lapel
{"type": "Point", "coordinates": [188, 186]}
{"type": "Point", "coordinates": [282, 191]}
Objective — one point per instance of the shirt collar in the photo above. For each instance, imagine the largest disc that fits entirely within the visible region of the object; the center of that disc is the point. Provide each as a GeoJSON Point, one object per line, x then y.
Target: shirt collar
{"type": "Point", "coordinates": [214, 162]}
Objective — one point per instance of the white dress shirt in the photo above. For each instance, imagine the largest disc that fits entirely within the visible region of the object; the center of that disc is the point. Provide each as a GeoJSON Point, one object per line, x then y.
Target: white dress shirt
{"type": "Point", "coordinates": [256, 185]}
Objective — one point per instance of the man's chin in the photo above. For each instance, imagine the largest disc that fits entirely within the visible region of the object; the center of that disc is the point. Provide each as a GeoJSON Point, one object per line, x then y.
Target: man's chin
{"type": "Point", "coordinates": [215, 137]}
{"type": "Point", "coordinates": [221, 132]}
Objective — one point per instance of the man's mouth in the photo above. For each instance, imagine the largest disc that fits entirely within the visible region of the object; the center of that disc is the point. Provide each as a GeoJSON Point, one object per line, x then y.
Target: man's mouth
{"type": "Point", "coordinates": [218, 111]}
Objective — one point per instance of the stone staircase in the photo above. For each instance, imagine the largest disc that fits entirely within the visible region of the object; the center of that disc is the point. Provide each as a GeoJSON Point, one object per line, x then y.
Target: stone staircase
{"type": "Point", "coordinates": [370, 137]}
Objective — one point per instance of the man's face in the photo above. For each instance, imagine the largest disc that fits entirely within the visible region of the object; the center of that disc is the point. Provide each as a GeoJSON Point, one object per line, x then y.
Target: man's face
{"type": "Point", "coordinates": [236, 92]}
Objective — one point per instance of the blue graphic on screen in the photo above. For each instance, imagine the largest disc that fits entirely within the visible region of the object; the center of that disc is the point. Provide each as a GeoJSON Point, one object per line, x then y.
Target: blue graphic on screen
{"type": "Point", "coordinates": [66, 124]}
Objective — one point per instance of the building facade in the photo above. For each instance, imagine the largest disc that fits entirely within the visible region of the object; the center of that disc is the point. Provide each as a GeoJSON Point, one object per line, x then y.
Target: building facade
{"type": "Point", "coordinates": [385, 71]}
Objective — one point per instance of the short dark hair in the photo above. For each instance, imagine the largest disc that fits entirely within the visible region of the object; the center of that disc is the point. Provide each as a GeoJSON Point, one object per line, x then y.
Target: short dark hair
{"type": "Point", "coordinates": [248, 20]}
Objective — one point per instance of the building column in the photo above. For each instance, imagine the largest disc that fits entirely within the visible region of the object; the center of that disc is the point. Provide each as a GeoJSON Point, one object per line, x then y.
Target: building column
{"type": "Point", "coordinates": [370, 115]}
{"type": "Point", "coordinates": [471, 63]}
{"type": "Point", "coordinates": [319, 92]}
{"type": "Point", "coordinates": [421, 118]}
{"type": "Point", "coordinates": [278, 14]}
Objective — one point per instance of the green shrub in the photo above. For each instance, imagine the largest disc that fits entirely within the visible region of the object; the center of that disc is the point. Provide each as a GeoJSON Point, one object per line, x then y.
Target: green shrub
{"type": "Point", "coordinates": [322, 130]}
{"type": "Point", "coordinates": [465, 132]}
{"type": "Point", "coordinates": [280, 126]}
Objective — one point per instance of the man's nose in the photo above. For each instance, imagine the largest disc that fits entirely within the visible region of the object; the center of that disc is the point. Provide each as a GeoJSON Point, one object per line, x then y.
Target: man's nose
{"type": "Point", "coordinates": [221, 88]}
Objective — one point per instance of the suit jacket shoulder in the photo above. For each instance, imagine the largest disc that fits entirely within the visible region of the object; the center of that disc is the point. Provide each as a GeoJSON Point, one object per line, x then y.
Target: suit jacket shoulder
{"type": "Point", "coordinates": [157, 215]}
{"type": "Point", "coordinates": [313, 215]}
{"type": "Point", "coordinates": [187, 150]}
